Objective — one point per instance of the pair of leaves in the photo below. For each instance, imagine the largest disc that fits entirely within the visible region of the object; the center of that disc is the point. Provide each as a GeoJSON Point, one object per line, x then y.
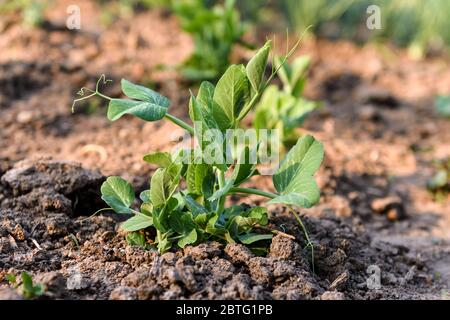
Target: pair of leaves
{"type": "Point", "coordinates": [294, 178]}
{"type": "Point", "coordinates": [231, 94]}
{"type": "Point", "coordinates": [147, 104]}
{"type": "Point", "coordinates": [235, 88]}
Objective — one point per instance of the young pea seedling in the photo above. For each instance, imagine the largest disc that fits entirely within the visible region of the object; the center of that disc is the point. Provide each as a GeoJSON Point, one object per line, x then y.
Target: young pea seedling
{"type": "Point", "coordinates": [285, 109]}
{"type": "Point", "coordinates": [196, 213]}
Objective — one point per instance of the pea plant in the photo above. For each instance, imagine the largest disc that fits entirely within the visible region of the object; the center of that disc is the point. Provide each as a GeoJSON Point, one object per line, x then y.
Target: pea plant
{"type": "Point", "coordinates": [214, 31]}
{"type": "Point", "coordinates": [286, 109]}
{"type": "Point", "coordinates": [186, 200]}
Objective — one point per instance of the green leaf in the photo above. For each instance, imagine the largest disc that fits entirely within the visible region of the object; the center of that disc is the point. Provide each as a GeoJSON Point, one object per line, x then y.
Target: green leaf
{"type": "Point", "coordinates": [204, 121]}
{"type": "Point", "coordinates": [181, 222]}
{"type": "Point", "coordinates": [118, 194]}
{"type": "Point", "coordinates": [144, 110]}
{"type": "Point", "coordinates": [205, 97]}
{"type": "Point", "coordinates": [205, 93]}
{"type": "Point", "coordinates": [259, 214]}
{"type": "Point", "coordinates": [249, 238]}
{"type": "Point", "coordinates": [138, 92]}
{"type": "Point", "coordinates": [189, 238]}
{"type": "Point", "coordinates": [267, 113]}
{"type": "Point", "coordinates": [294, 112]}
{"type": "Point", "coordinates": [200, 114]}
{"type": "Point", "coordinates": [242, 171]}
{"type": "Point", "coordinates": [194, 206]}
{"type": "Point", "coordinates": [145, 196]}
{"type": "Point", "coordinates": [215, 228]}
{"type": "Point", "coordinates": [136, 239]}
{"type": "Point", "coordinates": [294, 178]}
{"type": "Point", "coordinates": [162, 186]}
{"type": "Point", "coordinates": [293, 75]}
{"type": "Point", "coordinates": [257, 65]}
{"type": "Point", "coordinates": [202, 220]}
{"type": "Point", "coordinates": [29, 290]}
{"type": "Point", "coordinates": [161, 215]}
{"type": "Point", "coordinates": [302, 191]}
{"type": "Point", "coordinates": [138, 222]}
{"type": "Point", "coordinates": [306, 156]}
{"type": "Point", "coordinates": [247, 220]}
{"type": "Point", "coordinates": [11, 278]}
{"type": "Point", "coordinates": [161, 159]}
{"type": "Point", "coordinates": [164, 244]}
{"type": "Point", "coordinates": [151, 106]}
{"type": "Point", "coordinates": [231, 93]}
{"type": "Point", "coordinates": [196, 175]}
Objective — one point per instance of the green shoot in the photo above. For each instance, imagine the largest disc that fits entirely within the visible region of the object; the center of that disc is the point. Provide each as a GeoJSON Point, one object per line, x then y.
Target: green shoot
{"type": "Point", "coordinates": [27, 288]}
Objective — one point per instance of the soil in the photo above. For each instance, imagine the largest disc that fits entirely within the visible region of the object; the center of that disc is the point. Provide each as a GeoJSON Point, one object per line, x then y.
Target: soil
{"type": "Point", "coordinates": [375, 215]}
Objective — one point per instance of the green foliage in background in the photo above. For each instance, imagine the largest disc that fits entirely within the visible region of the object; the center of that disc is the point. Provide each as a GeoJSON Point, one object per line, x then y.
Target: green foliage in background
{"type": "Point", "coordinates": [439, 183]}
{"type": "Point", "coordinates": [215, 30]}
{"type": "Point", "coordinates": [186, 200]}
{"type": "Point", "coordinates": [417, 24]}
{"type": "Point", "coordinates": [28, 289]}
{"type": "Point", "coordinates": [31, 11]}
{"type": "Point", "coordinates": [286, 109]}
{"type": "Point", "coordinates": [442, 104]}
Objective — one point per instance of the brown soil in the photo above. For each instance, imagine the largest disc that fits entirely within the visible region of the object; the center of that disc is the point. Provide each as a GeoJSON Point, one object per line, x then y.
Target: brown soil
{"type": "Point", "coordinates": [379, 130]}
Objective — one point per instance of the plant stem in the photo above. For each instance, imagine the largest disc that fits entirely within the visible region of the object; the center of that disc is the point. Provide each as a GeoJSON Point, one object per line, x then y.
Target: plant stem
{"type": "Point", "coordinates": [250, 105]}
{"type": "Point", "coordinates": [179, 122]}
{"type": "Point", "coordinates": [305, 232]}
{"type": "Point", "coordinates": [221, 203]}
{"type": "Point", "coordinates": [95, 213]}
{"type": "Point", "coordinates": [254, 191]}
{"type": "Point", "coordinates": [103, 96]}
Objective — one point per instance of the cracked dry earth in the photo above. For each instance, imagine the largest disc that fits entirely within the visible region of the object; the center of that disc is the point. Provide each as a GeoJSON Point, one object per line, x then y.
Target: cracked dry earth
{"type": "Point", "coordinates": [41, 232]}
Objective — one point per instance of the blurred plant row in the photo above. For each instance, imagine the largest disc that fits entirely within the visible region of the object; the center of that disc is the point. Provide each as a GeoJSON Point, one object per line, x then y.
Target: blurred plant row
{"type": "Point", "coordinates": [418, 24]}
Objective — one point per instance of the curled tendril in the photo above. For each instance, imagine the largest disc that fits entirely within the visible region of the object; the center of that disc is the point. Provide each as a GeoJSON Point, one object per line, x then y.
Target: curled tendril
{"type": "Point", "coordinates": [82, 92]}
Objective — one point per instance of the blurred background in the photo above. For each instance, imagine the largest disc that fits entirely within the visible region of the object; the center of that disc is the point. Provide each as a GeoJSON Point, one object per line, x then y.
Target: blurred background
{"type": "Point", "coordinates": [371, 80]}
